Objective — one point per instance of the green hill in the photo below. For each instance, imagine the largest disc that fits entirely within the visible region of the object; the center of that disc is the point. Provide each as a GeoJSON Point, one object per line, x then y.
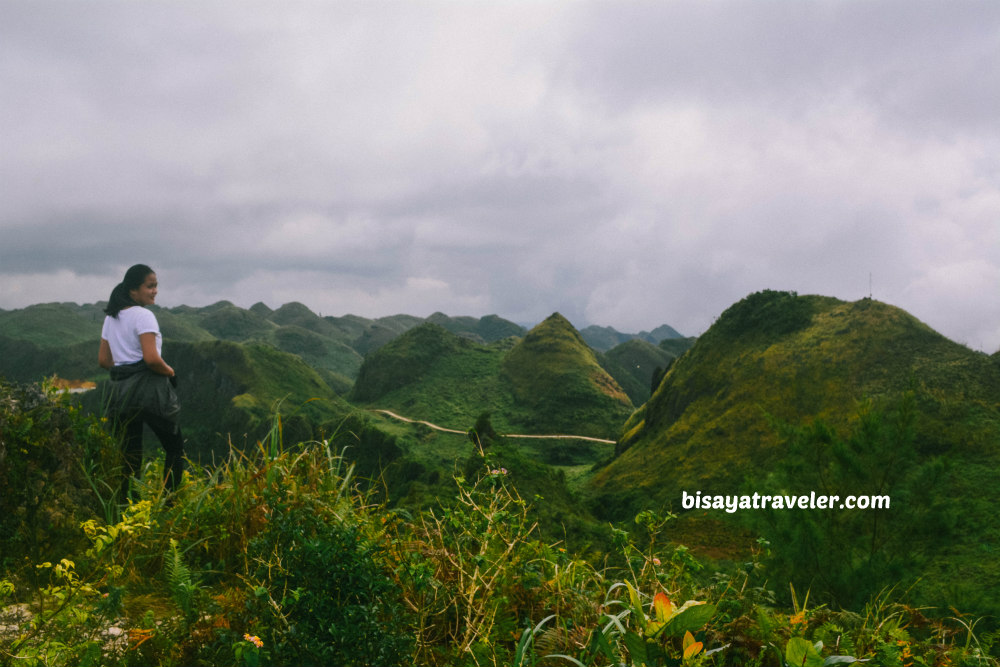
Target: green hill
{"type": "Point", "coordinates": [487, 329]}
{"type": "Point", "coordinates": [558, 385]}
{"type": "Point", "coordinates": [773, 397]}
{"type": "Point", "coordinates": [438, 376]}
{"type": "Point", "coordinates": [52, 324]}
{"type": "Point", "coordinates": [230, 322]}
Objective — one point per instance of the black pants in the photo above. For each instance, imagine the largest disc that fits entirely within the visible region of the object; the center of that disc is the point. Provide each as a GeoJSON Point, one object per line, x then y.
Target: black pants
{"type": "Point", "coordinates": [169, 434]}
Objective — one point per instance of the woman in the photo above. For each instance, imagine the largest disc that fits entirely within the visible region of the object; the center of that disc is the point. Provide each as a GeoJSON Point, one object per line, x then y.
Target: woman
{"type": "Point", "coordinates": [141, 381]}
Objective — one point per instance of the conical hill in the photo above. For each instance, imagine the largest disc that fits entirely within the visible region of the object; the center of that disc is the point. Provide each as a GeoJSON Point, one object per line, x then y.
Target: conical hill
{"type": "Point", "coordinates": [559, 386]}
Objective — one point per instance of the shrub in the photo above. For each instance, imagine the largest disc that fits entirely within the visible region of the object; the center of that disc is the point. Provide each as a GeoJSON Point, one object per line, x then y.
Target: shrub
{"type": "Point", "coordinates": [321, 594]}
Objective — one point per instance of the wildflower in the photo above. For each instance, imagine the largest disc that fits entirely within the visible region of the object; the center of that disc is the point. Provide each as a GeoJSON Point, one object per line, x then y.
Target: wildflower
{"type": "Point", "coordinates": [254, 639]}
{"type": "Point", "coordinates": [656, 561]}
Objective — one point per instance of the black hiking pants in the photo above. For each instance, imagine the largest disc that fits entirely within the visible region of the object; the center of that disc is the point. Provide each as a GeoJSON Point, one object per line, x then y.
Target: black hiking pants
{"type": "Point", "coordinates": [169, 434]}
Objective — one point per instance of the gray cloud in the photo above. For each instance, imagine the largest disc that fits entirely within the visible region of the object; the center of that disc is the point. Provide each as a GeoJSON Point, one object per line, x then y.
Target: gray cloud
{"type": "Point", "coordinates": [628, 164]}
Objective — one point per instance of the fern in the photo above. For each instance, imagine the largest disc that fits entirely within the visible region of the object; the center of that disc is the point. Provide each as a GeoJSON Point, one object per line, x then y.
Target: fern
{"type": "Point", "coordinates": [181, 581]}
{"type": "Point", "coordinates": [835, 639]}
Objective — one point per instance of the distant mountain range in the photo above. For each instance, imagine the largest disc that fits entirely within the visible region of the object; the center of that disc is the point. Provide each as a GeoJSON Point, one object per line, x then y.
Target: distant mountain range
{"type": "Point", "coordinates": [334, 345]}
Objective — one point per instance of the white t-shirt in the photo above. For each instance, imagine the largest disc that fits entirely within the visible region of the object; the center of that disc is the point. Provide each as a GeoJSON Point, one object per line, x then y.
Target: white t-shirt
{"type": "Point", "coordinates": [122, 334]}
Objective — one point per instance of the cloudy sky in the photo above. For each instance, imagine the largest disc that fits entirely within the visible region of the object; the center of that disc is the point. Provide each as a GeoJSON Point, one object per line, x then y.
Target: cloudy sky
{"type": "Point", "coordinates": [625, 163]}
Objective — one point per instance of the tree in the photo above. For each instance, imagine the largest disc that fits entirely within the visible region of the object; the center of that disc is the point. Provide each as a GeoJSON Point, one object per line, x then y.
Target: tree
{"type": "Point", "coordinates": [482, 434]}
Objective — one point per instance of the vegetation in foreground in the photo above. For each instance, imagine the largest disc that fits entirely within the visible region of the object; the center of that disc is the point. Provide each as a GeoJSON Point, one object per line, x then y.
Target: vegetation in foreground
{"type": "Point", "coordinates": [282, 558]}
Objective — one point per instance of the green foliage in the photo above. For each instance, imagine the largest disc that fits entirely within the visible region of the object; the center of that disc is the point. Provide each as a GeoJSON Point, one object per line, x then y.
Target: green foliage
{"type": "Point", "coordinates": [847, 556]}
{"type": "Point", "coordinates": [482, 434]}
{"type": "Point", "coordinates": [58, 467]}
{"type": "Point", "coordinates": [764, 315]}
{"type": "Point", "coordinates": [181, 582]}
{"type": "Point", "coordinates": [321, 592]}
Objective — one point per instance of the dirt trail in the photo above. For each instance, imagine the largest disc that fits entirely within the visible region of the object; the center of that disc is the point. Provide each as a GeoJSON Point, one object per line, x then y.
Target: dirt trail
{"type": "Point", "coordinates": [505, 435]}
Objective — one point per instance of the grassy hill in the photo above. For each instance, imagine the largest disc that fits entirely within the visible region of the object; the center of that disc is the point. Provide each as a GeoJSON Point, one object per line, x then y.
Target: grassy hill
{"type": "Point", "coordinates": [789, 392]}
{"type": "Point", "coordinates": [52, 324]}
{"type": "Point", "coordinates": [435, 375]}
{"type": "Point", "coordinates": [558, 385]}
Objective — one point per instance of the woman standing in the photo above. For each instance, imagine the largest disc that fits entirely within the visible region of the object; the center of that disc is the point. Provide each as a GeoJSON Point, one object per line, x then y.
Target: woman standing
{"type": "Point", "coordinates": [142, 383]}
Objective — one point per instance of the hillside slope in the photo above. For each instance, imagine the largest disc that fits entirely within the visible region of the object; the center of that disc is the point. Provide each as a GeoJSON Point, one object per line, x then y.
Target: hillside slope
{"type": "Point", "coordinates": [715, 423]}
{"type": "Point", "coordinates": [432, 374]}
{"type": "Point", "coordinates": [794, 359]}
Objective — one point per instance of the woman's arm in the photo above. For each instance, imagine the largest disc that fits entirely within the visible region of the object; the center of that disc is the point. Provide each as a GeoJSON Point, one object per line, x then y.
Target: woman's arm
{"type": "Point", "coordinates": [104, 355]}
{"type": "Point", "coordinates": [152, 358]}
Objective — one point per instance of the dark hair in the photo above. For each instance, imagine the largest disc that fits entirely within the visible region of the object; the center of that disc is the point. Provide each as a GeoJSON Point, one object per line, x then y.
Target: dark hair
{"type": "Point", "coordinates": [120, 298]}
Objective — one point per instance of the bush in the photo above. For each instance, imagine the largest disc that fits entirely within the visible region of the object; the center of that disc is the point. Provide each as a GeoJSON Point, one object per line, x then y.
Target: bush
{"type": "Point", "coordinates": [57, 469]}
{"type": "Point", "coordinates": [322, 595]}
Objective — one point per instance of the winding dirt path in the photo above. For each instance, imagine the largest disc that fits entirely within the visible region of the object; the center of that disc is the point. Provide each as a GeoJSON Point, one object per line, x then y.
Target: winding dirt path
{"type": "Point", "coordinates": [505, 435]}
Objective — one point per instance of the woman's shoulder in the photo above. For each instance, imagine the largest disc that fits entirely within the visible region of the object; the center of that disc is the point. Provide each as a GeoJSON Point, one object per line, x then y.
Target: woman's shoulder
{"type": "Point", "coordinates": [141, 318]}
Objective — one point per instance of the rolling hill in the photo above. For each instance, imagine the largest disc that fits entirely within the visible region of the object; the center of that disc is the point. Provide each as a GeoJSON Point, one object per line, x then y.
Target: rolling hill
{"type": "Point", "coordinates": [791, 393]}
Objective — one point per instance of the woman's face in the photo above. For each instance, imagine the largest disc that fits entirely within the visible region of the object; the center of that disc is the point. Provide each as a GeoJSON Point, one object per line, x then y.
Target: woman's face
{"type": "Point", "coordinates": [145, 294]}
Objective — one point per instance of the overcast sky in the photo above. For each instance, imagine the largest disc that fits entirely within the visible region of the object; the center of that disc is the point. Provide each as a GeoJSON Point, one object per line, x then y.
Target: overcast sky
{"type": "Point", "coordinates": [628, 164]}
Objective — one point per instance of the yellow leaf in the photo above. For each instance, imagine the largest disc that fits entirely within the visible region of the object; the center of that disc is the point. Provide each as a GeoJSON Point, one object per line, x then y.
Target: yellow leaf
{"type": "Point", "coordinates": [692, 650]}
{"type": "Point", "coordinates": [663, 606]}
{"type": "Point", "coordinates": [688, 639]}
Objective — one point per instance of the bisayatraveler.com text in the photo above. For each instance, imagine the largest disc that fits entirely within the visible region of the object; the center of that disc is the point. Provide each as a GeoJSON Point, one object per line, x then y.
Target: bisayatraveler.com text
{"type": "Point", "coordinates": [756, 501]}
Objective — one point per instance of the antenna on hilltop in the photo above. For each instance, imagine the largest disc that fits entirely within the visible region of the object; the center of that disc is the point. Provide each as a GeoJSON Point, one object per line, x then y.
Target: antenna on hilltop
{"type": "Point", "coordinates": [869, 285]}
